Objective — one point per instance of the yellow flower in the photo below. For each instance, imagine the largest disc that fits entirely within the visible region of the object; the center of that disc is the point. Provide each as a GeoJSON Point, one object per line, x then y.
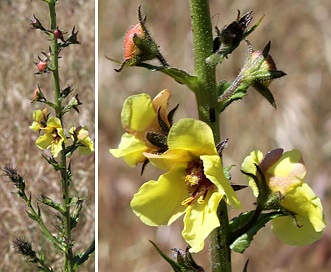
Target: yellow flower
{"type": "Point", "coordinates": [146, 124]}
{"type": "Point", "coordinates": [53, 136]}
{"type": "Point", "coordinates": [284, 174]}
{"type": "Point", "coordinates": [85, 144]}
{"type": "Point", "coordinates": [39, 119]}
{"type": "Point", "coordinates": [194, 184]}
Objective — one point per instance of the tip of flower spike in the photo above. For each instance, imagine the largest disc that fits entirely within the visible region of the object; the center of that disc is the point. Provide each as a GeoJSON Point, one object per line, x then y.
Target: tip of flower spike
{"type": "Point", "coordinates": [24, 247]}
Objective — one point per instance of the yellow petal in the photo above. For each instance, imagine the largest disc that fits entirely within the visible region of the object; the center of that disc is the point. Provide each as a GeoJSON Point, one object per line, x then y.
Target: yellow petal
{"type": "Point", "coordinates": [56, 148]}
{"type": "Point", "coordinates": [287, 173]}
{"type": "Point", "coordinates": [170, 159]}
{"type": "Point", "coordinates": [302, 201]}
{"type": "Point", "coordinates": [200, 220]}
{"type": "Point", "coordinates": [192, 135]}
{"type": "Point", "coordinates": [161, 102]}
{"type": "Point", "coordinates": [248, 166]}
{"type": "Point", "coordinates": [131, 149]}
{"type": "Point", "coordinates": [137, 113]}
{"type": "Point", "coordinates": [213, 170]}
{"type": "Point", "coordinates": [288, 232]}
{"type": "Point", "coordinates": [44, 141]}
{"type": "Point", "coordinates": [159, 202]}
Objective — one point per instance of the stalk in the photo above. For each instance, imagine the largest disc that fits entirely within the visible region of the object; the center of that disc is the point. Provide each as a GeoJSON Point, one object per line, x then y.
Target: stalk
{"type": "Point", "coordinates": [64, 174]}
{"type": "Point", "coordinates": [206, 97]}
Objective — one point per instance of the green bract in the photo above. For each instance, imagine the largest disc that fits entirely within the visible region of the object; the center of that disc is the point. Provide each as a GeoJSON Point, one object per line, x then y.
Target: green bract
{"type": "Point", "coordinates": [194, 184]}
{"type": "Point", "coordinates": [284, 173]}
{"type": "Point", "coordinates": [139, 117]}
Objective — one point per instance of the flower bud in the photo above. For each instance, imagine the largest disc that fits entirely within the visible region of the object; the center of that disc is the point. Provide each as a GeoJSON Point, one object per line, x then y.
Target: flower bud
{"type": "Point", "coordinates": [131, 50]}
{"type": "Point", "coordinates": [36, 24]}
{"type": "Point", "coordinates": [139, 46]}
{"type": "Point", "coordinates": [25, 248]}
{"type": "Point", "coordinates": [42, 66]}
{"type": "Point", "coordinates": [38, 95]}
{"type": "Point", "coordinates": [230, 36]}
{"type": "Point", "coordinates": [72, 39]}
{"type": "Point", "coordinates": [16, 179]}
{"type": "Point", "coordinates": [259, 66]}
{"type": "Point", "coordinates": [258, 71]}
{"type": "Point", "coordinates": [58, 34]}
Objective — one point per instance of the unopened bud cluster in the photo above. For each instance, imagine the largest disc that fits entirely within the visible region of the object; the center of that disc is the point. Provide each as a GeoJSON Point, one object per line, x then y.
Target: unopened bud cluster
{"type": "Point", "coordinates": [25, 248]}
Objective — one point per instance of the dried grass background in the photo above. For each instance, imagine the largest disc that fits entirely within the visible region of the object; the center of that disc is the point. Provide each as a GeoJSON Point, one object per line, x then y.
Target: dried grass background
{"type": "Point", "coordinates": [300, 44]}
{"type": "Point", "coordinates": [19, 48]}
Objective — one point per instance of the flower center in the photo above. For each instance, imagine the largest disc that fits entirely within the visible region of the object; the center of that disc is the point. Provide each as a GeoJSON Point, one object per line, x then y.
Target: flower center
{"type": "Point", "coordinates": [197, 183]}
{"type": "Point", "coordinates": [56, 137]}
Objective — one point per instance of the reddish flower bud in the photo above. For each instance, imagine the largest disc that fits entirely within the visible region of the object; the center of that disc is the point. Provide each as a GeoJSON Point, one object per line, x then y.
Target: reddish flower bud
{"type": "Point", "coordinates": [130, 48]}
{"type": "Point", "coordinates": [36, 94]}
{"type": "Point", "coordinates": [42, 66]}
{"type": "Point", "coordinates": [58, 34]}
{"type": "Point", "coordinates": [139, 46]}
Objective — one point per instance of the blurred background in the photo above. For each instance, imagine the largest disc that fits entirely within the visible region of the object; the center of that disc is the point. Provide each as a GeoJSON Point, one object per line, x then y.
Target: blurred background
{"type": "Point", "coordinates": [301, 46]}
{"type": "Point", "coordinates": [19, 48]}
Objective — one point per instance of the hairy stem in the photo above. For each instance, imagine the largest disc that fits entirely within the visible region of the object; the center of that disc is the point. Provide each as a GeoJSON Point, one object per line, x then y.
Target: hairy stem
{"type": "Point", "coordinates": [37, 217]}
{"type": "Point", "coordinates": [206, 97]}
{"type": "Point", "coordinates": [69, 262]}
{"type": "Point", "coordinates": [203, 47]}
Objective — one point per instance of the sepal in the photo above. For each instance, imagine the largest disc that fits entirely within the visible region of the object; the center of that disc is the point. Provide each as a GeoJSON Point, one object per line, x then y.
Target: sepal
{"type": "Point", "coordinates": [241, 225]}
{"type": "Point", "coordinates": [184, 261]}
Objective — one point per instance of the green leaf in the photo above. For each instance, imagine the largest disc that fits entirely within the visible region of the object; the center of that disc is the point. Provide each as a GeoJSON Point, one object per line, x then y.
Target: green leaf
{"type": "Point", "coordinates": [184, 263]}
{"type": "Point", "coordinates": [42, 256]}
{"type": "Point", "coordinates": [57, 166]}
{"type": "Point", "coordinates": [222, 86]}
{"type": "Point", "coordinates": [175, 266]}
{"type": "Point", "coordinates": [32, 216]}
{"type": "Point", "coordinates": [240, 92]}
{"type": "Point", "coordinates": [179, 75]}
{"type": "Point", "coordinates": [52, 105]}
{"type": "Point", "coordinates": [83, 257]}
{"type": "Point", "coordinates": [265, 92]}
{"type": "Point", "coordinates": [241, 243]}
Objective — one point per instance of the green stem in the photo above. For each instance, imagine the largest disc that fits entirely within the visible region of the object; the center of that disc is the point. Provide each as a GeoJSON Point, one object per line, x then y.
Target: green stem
{"type": "Point", "coordinates": [55, 62]}
{"type": "Point", "coordinates": [219, 242]}
{"type": "Point", "coordinates": [203, 47]}
{"type": "Point", "coordinates": [69, 259]}
{"type": "Point", "coordinates": [43, 265]}
{"type": "Point", "coordinates": [86, 254]}
{"type": "Point", "coordinates": [37, 217]}
{"type": "Point", "coordinates": [206, 97]}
